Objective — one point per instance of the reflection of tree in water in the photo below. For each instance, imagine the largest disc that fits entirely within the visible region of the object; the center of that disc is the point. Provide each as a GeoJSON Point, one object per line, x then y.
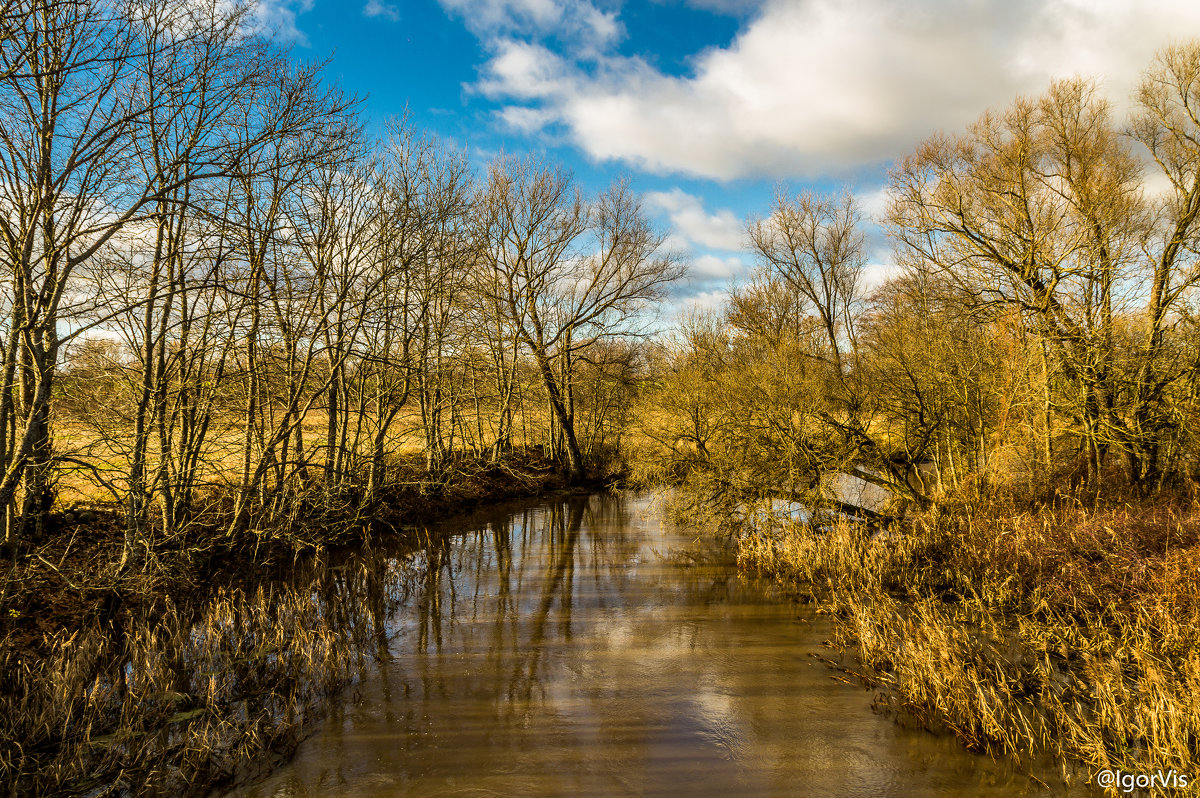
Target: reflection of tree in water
{"type": "Point", "coordinates": [562, 533]}
{"type": "Point", "coordinates": [514, 670]}
{"type": "Point", "coordinates": [430, 606]}
{"type": "Point", "coordinates": [501, 603]}
{"type": "Point", "coordinates": [483, 577]}
{"type": "Point", "coordinates": [496, 566]}
{"type": "Point", "coordinates": [517, 588]}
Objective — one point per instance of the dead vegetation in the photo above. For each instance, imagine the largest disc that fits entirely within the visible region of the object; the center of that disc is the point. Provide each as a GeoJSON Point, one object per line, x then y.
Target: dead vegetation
{"type": "Point", "coordinates": [1024, 629]}
{"type": "Point", "coordinates": [171, 698]}
{"type": "Point", "coordinates": [192, 670]}
{"type": "Point", "coordinates": [1027, 389]}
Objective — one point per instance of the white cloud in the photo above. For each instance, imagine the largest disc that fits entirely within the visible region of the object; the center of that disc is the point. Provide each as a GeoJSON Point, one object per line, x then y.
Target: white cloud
{"type": "Point", "coordinates": [736, 7]}
{"type": "Point", "coordinates": [711, 243]}
{"type": "Point", "coordinates": [378, 8]}
{"type": "Point", "coordinates": [493, 16]}
{"type": "Point", "coordinates": [277, 19]}
{"type": "Point", "coordinates": [526, 71]}
{"type": "Point", "coordinates": [526, 120]}
{"type": "Point", "coordinates": [874, 203]}
{"type": "Point", "coordinates": [814, 87]}
{"type": "Point", "coordinates": [873, 275]}
{"type": "Point", "coordinates": [1157, 184]}
{"type": "Point", "coordinates": [710, 267]}
{"type": "Point", "coordinates": [692, 225]}
{"type": "Point", "coordinates": [702, 301]}
{"type": "Point", "coordinates": [577, 23]}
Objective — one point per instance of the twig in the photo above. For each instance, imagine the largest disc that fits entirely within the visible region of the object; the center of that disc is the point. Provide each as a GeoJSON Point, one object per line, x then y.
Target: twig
{"type": "Point", "coordinates": [70, 584]}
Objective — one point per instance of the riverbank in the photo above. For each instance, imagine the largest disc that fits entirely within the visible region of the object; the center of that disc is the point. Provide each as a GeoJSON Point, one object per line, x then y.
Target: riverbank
{"type": "Point", "coordinates": [212, 655]}
{"type": "Point", "coordinates": [1026, 628]}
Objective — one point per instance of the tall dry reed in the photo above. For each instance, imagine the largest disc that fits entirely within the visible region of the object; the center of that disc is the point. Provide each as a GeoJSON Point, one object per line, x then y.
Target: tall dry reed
{"type": "Point", "coordinates": [1060, 631]}
{"type": "Point", "coordinates": [175, 703]}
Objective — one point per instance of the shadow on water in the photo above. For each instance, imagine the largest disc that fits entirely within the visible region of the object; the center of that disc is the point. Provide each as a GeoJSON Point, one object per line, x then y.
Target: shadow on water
{"type": "Point", "coordinates": [579, 648]}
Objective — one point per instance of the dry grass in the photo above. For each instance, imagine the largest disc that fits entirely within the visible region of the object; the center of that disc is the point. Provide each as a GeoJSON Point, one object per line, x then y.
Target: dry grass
{"type": "Point", "coordinates": [174, 702]}
{"type": "Point", "coordinates": [157, 682]}
{"type": "Point", "coordinates": [1025, 631]}
{"type": "Point", "coordinates": [102, 442]}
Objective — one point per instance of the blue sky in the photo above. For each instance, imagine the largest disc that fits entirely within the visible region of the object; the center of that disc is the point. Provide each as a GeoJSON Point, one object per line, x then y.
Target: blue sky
{"type": "Point", "coordinates": [707, 106]}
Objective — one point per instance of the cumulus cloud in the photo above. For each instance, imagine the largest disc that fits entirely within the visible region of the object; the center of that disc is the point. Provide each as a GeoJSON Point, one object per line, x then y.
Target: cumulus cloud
{"type": "Point", "coordinates": [526, 120]}
{"type": "Point", "coordinates": [702, 301]}
{"type": "Point", "coordinates": [873, 275]}
{"type": "Point", "coordinates": [693, 226]}
{"type": "Point", "coordinates": [732, 7]}
{"type": "Point", "coordinates": [812, 87]}
{"type": "Point", "coordinates": [378, 8]}
{"type": "Point", "coordinates": [577, 23]}
{"type": "Point", "coordinates": [711, 267]}
{"type": "Point", "coordinates": [277, 19]}
{"type": "Point", "coordinates": [874, 203]}
{"type": "Point", "coordinates": [526, 71]}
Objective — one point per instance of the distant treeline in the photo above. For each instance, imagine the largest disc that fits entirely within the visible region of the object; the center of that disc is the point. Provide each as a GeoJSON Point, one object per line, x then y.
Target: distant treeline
{"type": "Point", "coordinates": [1042, 331]}
{"type": "Point", "coordinates": [224, 301]}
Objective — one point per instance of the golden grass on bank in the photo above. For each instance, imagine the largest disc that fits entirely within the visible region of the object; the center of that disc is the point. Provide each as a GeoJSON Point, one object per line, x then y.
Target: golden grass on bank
{"type": "Point", "coordinates": [102, 445]}
{"type": "Point", "coordinates": [1062, 631]}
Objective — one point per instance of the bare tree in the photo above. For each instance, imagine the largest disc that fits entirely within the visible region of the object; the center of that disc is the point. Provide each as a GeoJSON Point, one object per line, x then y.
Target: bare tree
{"type": "Point", "coordinates": [567, 273]}
{"type": "Point", "coordinates": [78, 90]}
{"type": "Point", "coordinates": [815, 245]}
{"type": "Point", "coordinates": [1039, 208]}
{"type": "Point", "coordinates": [1168, 125]}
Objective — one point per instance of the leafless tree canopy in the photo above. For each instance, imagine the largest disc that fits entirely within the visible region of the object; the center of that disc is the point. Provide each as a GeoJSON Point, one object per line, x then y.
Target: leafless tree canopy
{"type": "Point", "coordinates": [1044, 326]}
{"type": "Point", "coordinates": [227, 306]}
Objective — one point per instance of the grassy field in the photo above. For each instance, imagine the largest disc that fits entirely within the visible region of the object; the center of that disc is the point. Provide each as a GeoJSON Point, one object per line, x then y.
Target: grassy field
{"type": "Point", "coordinates": [104, 443]}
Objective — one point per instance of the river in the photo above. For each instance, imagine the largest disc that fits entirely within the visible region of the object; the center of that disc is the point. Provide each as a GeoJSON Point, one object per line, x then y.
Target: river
{"type": "Point", "coordinates": [581, 648]}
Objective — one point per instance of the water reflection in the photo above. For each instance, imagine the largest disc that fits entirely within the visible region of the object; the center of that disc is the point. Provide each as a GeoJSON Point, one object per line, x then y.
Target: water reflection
{"type": "Point", "coordinates": [577, 649]}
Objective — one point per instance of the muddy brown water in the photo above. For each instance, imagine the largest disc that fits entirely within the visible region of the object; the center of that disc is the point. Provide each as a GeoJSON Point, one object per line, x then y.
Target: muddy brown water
{"type": "Point", "coordinates": [581, 648]}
